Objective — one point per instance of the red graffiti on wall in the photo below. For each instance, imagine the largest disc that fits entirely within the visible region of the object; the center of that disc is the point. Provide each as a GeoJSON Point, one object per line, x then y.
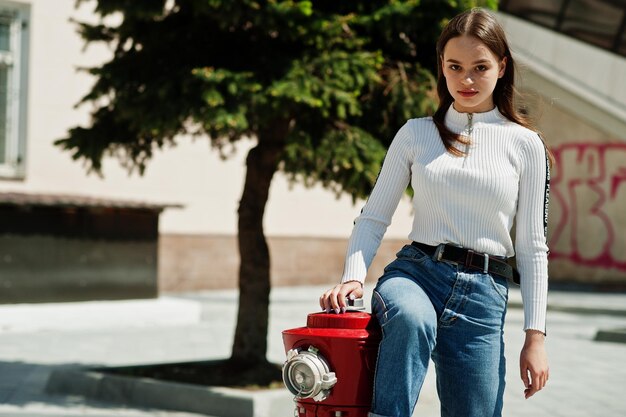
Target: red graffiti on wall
{"type": "Point", "coordinates": [588, 207]}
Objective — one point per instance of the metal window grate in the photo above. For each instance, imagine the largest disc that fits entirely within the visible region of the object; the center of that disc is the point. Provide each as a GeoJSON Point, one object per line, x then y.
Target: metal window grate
{"type": "Point", "coordinates": [11, 137]}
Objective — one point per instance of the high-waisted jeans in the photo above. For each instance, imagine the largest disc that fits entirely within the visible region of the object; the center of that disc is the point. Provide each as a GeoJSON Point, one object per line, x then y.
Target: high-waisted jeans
{"type": "Point", "coordinates": [429, 309]}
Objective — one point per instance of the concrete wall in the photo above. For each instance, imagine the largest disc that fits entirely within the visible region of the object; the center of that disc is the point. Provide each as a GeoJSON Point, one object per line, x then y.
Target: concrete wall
{"type": "Point", "coordinates": [587, 223]}
{"type": "Point", "coordinates": [576, 94]}
{"type": "Point", "coordinates": [68, 253]}
{"type": "Point", "coordinates": [191, 262]}
{"type": "Point", "coordinates": [576, 67]}
{"type": "Point", "coordinates": [48, 268]}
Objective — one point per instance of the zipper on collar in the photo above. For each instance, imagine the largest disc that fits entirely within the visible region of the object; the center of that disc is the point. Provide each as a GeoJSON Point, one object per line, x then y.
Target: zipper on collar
{"type": "Point", "coordinates": [469, 129]}
{"type": "Point", "coordinates": [470, 124]}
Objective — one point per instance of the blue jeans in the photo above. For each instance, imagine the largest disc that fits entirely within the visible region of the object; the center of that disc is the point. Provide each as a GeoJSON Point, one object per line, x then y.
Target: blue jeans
{"type": "Point", "coordinates": [429, 309]}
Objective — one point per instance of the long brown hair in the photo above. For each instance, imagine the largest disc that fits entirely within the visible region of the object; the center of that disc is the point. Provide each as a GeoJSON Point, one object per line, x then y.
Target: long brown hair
{"type": "Point", "coordinates": [483, 26]}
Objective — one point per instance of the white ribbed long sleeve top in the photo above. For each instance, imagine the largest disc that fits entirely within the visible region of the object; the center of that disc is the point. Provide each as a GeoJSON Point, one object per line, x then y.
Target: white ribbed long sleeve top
{"type": "Point", "coordinates": [468, 201]}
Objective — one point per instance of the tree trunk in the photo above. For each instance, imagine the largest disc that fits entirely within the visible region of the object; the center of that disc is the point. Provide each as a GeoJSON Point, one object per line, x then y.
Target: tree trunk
{"type": "Point", "coordinates": [250, 342]}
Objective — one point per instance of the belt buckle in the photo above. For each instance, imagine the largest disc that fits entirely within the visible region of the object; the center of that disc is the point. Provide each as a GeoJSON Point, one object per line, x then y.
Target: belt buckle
{"type": "Point", "coordinates": [439, 252]}
{"type": "Point", "coordinates": [470, 256]}
{"type": "Point", "coordinates": [486, 263]}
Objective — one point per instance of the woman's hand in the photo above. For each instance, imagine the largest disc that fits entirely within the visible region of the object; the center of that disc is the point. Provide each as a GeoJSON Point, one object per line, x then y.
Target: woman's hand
{"type": "Point", "coordinates": [533, 363]}
{"type": "Point", "coordinates": [335, 298]}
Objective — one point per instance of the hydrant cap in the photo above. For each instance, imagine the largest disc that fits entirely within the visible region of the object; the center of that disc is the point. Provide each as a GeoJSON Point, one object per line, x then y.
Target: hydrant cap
{"type": "Point", "coordinates": [306, 374]}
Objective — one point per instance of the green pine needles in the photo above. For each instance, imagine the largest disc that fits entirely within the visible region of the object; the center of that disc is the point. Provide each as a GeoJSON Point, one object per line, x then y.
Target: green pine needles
{"type": "Point", "coordinates": [346, 74]}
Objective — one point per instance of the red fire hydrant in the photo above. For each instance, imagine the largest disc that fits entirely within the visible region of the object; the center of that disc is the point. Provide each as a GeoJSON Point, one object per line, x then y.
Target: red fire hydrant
{"type": "Point", "coordinates": [330, 363]}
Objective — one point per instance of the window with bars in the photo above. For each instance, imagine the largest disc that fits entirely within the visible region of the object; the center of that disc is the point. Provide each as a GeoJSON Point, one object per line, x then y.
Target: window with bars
{"type": "Point", "coordinates": [12, 28]}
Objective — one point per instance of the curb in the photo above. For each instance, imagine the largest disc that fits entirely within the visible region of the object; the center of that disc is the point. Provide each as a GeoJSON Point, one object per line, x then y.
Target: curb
{"type": "Point", "coordinates": [576, 309]}
{"type": "Point", "coordinates": [611, 335]}
{"type": "Point", "coordinates": [152, 393]}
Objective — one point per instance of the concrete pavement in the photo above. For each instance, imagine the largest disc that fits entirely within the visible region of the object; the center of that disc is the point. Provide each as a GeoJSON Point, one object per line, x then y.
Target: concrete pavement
{"type": "Point", "coordinates": [588, 378]}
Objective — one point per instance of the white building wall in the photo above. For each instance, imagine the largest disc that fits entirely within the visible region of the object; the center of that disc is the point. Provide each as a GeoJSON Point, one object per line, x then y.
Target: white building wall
{"type": "Point", "coordinates": [190, 174]}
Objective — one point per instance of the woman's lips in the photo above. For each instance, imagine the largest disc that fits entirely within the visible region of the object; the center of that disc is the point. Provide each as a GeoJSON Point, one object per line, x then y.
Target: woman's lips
{"type": "Point", "coordinates": [468, 93]}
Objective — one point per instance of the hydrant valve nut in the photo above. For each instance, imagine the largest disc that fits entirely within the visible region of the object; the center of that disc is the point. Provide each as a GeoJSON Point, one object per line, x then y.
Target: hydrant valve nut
{"type": "Point", "coordinates": [328, 380]}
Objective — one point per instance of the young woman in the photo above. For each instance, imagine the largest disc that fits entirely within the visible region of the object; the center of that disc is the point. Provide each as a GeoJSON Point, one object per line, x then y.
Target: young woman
{"type": "Point", "coordinates": [475, 166]}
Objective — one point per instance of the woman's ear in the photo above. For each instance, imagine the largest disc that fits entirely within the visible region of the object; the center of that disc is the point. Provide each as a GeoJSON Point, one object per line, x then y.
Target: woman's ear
{"type": "Point", "coordinates": [502, 68]}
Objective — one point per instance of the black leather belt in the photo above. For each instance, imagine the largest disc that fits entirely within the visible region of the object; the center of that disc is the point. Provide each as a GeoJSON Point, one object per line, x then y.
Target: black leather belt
{"type": "Point", "coordinates": [470, 259]}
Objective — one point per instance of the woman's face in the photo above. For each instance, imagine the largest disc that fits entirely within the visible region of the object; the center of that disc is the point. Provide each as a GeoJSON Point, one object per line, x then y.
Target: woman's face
{"type": "Point", "coordinates": [471, 70]}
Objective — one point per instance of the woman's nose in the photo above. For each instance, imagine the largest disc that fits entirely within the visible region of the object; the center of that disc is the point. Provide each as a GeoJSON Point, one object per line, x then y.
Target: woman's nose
{"type": "Point", "coordinates": [467, 79]}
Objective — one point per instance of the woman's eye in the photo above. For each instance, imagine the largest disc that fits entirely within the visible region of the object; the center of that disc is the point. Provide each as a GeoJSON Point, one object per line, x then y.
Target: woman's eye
{"type": "Point", "coordinates": [455, 67]}
{"type": "Point", "coordinates": [481, 68]}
